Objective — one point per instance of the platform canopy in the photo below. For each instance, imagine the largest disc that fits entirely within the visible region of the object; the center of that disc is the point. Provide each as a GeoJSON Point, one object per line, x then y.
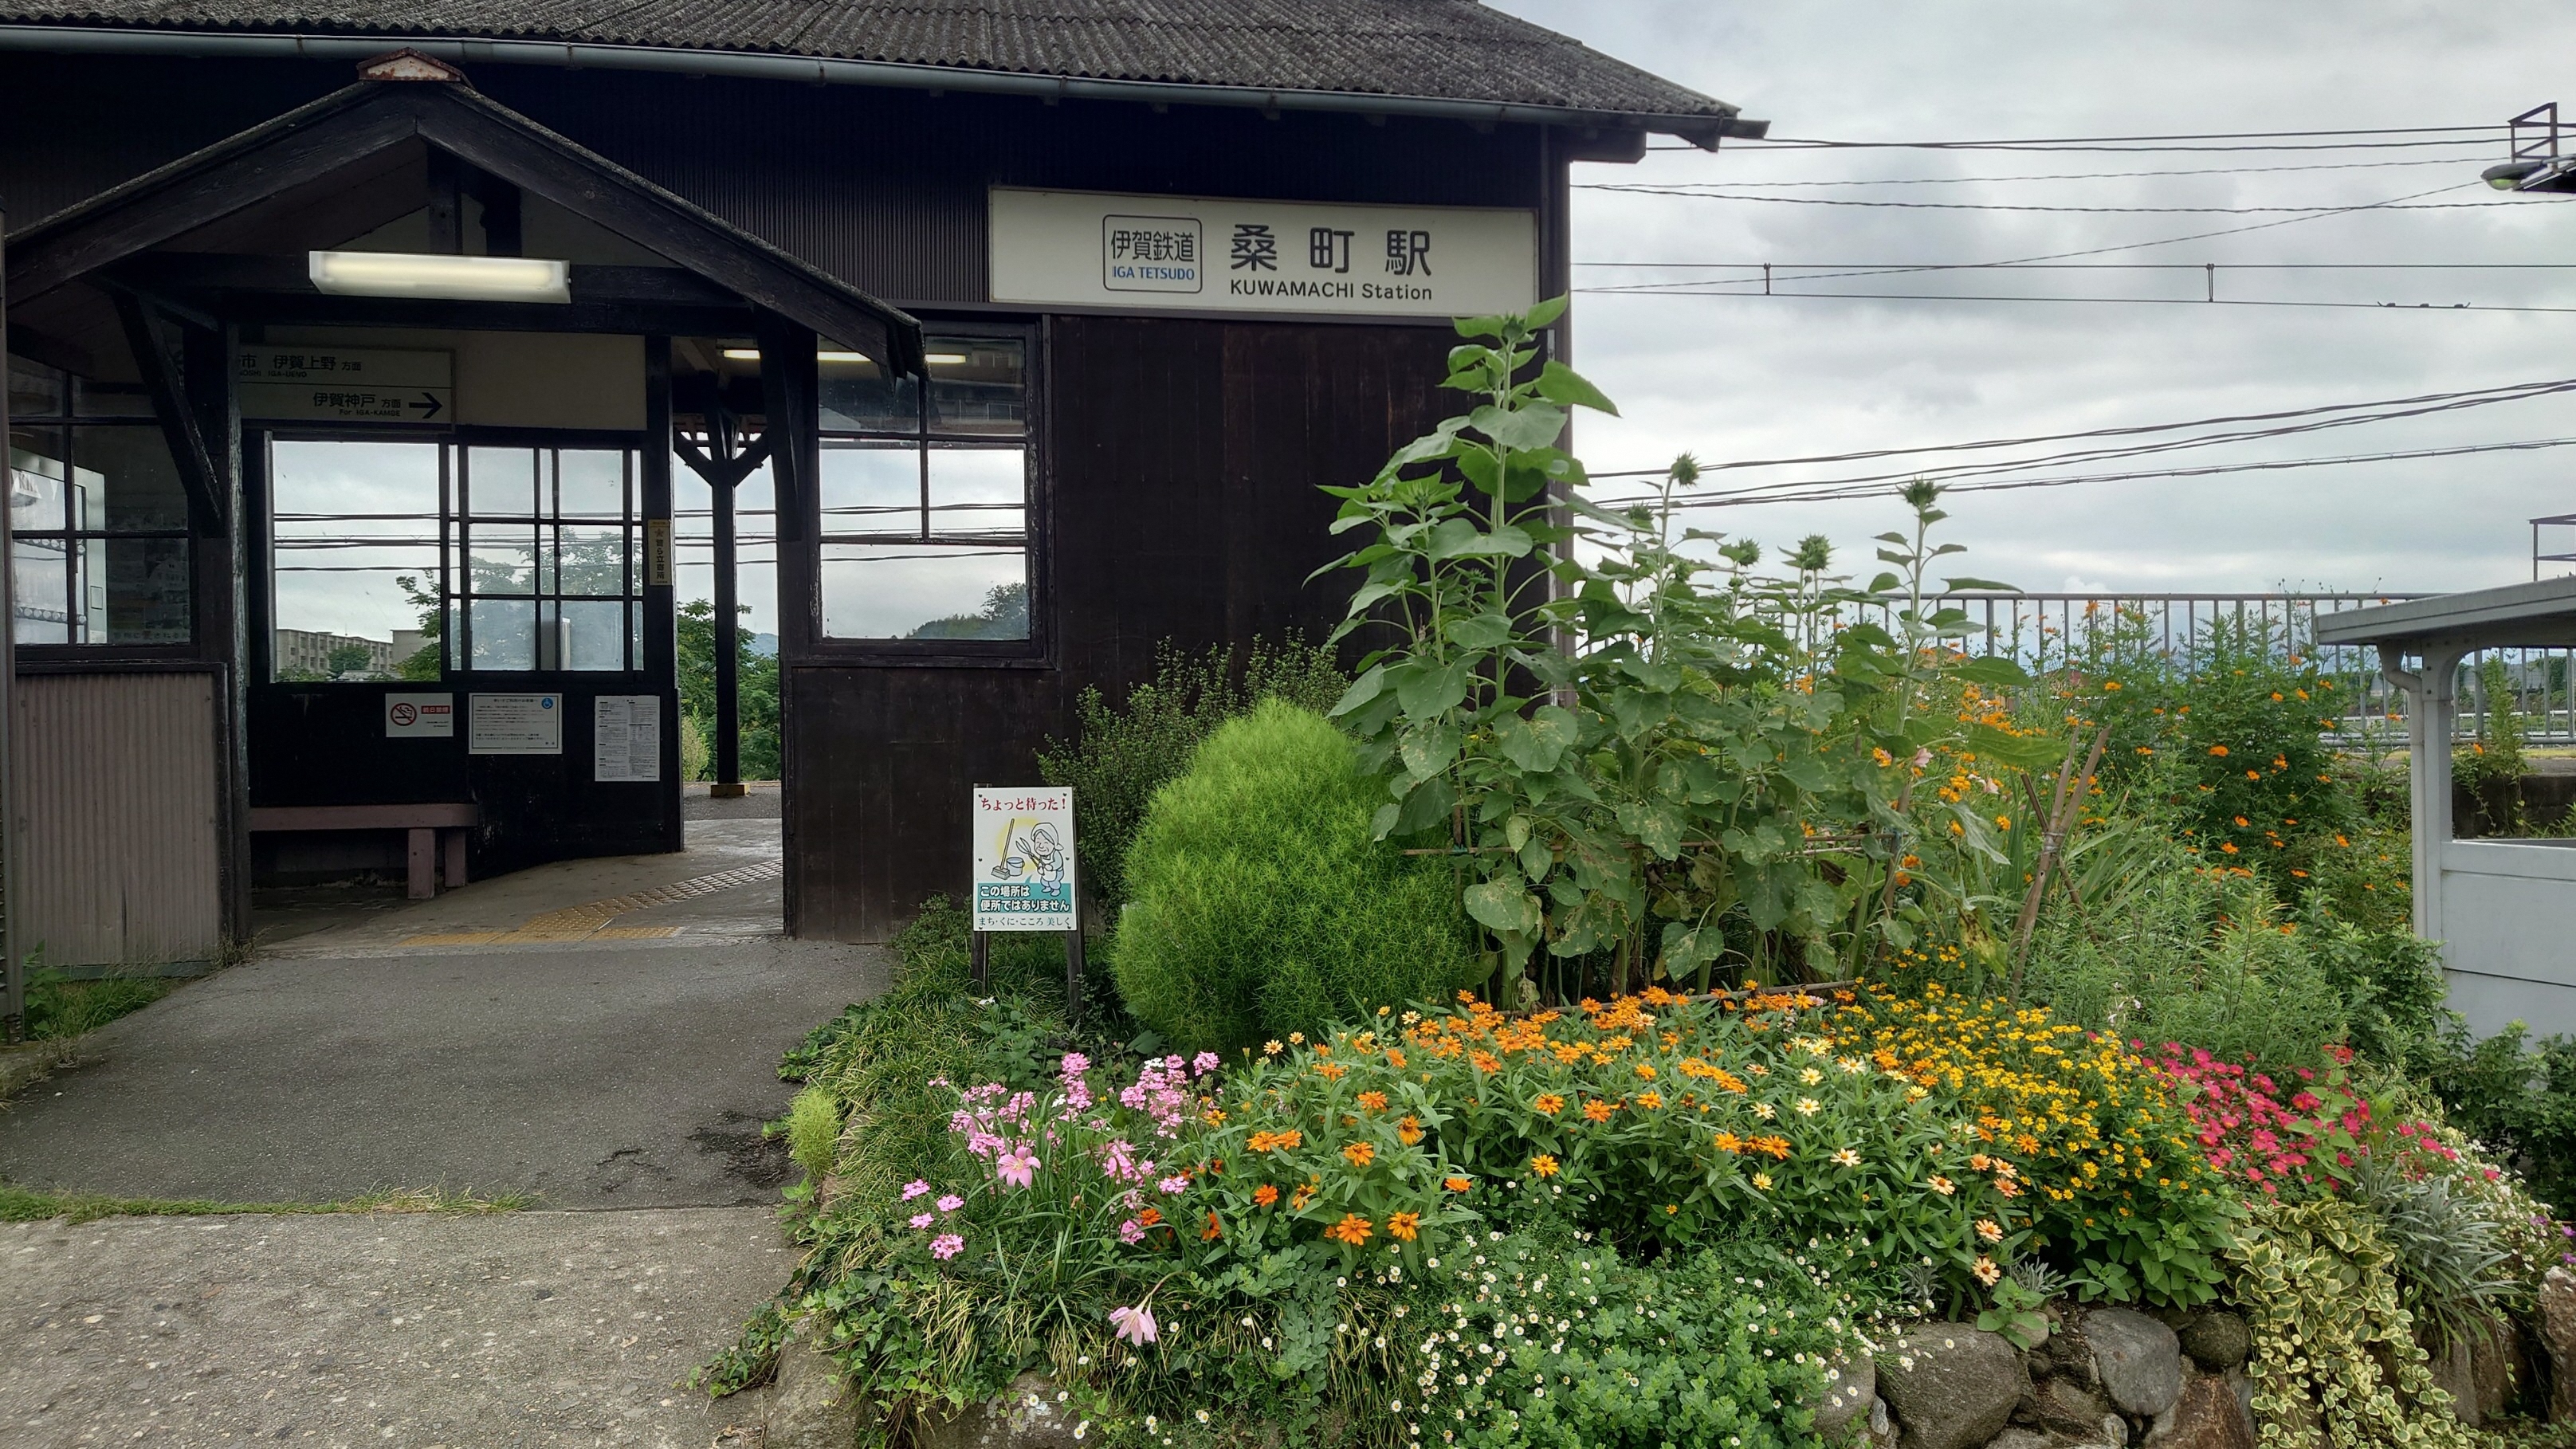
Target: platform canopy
{"type": "Point", "coordinates": [2534, 614]}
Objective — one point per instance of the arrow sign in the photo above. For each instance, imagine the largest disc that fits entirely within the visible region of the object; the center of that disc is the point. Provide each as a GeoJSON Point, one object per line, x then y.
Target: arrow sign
{"type": "Point", "coordinates": [319, 382]}
{"type": "Point", "coordinates": [429, 406]}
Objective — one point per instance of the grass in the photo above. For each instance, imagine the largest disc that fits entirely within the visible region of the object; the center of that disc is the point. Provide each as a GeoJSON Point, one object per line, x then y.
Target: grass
{"type": "Point", "coordinates": [58, 1008]}
{"type": "Point", "coordinates": [30, 1204]}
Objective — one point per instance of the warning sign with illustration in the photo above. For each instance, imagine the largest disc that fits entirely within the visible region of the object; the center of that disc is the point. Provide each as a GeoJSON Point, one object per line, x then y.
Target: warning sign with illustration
{"type": "Point", "coordinates": [1024, 860]}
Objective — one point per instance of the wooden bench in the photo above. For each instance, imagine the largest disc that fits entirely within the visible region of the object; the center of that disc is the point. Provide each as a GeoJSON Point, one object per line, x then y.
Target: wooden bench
{"type": "Point", "coordinates": [435, 831]}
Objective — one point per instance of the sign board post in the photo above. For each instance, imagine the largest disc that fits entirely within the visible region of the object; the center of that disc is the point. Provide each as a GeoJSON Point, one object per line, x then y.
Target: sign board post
{"type": "Point", "coordinates": [1024, 876]}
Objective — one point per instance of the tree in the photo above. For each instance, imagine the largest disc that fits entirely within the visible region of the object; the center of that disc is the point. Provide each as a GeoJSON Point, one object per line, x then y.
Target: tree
{"type": "Point", "coordinates": [756, 682]}
{"type": "Point", "coordinates": [346, 659]}
{"type": "Point", "coordinates": [427, 662]}
{"type": "Point", "coordinates": [1005, 615]}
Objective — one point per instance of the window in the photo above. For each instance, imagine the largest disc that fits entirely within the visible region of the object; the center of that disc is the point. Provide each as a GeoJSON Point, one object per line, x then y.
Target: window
{"type": "Point", "coordinates": [354, 591]}
{"type": "Point", "coordinates": [925, 494]}
{"type": "Point", "coordinates": [540, 567]}
{"type": "Point", "coordinates": [544, 572]}
{"type": "Point", "coordinates": [99, 516]}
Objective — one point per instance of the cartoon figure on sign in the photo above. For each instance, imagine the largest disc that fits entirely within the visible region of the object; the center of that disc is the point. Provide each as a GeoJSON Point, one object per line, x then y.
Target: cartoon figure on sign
{"type": "Point", "coordinates": [1032, 852]}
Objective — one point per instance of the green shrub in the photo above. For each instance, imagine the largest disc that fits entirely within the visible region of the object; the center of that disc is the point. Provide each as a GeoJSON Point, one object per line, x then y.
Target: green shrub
{"type": "Point", "coordinates": [2518, 1097]}
{"type": "Point", "coordinates": [59, 1006]}
{"type": "Point", "coordinates": [1262, 906]}
{"type": "Point", "coordinates": [1119, 757]}
{"type": "Point", "coordinates": [813, 1131]}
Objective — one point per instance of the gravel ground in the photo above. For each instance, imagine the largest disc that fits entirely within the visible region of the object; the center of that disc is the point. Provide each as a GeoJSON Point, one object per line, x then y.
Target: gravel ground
{"type": "Point", "coordinates": [539, 1328]}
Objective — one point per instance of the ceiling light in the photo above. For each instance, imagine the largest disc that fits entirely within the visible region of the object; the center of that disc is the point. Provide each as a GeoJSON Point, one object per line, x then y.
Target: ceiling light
{"type": "Point", "coordinates": [752, 354]}
{"type": "Point", "coordinates": [452, 278]}
{"type": "Point", "coordinates": [945, 359]}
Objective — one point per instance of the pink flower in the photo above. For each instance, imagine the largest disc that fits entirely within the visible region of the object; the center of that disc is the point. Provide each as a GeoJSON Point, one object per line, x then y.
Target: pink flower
{"type": "Point", "coordinates": [1174, 1184]}
{"type": "Point", "coordinates": [1075, 1064]}
{"type": "Point", "coordinates": [1136, 1325]}
{"type": "Point", "coordinates": [1204, 1063]}
{"type": "Point", "coordinates": [1131, 1231]}
{"type": "Point", "coordinates": [914, 1189]}
{"type": "Point", "coordinates": [923, 1220]}
{"type": "Point", "coordinates": [951, 1203]}
{"type": "Point", "coordinates": [947, 1245]}
{"type": "Point", "coordinates": [1019, 1168]}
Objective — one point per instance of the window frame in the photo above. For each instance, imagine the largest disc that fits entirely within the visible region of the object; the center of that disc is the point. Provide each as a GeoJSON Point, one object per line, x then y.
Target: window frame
{"type": "Point", "coordinates": [456, 634]}
{"type": "Point", "coordinates": [69, 419]}
{"type": "Point", "coordinates": [1035, 651]}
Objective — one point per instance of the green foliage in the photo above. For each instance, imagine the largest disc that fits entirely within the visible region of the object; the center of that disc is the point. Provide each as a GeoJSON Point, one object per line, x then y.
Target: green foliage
{"type": "Point", "coordinates": [427, 663]}
{"type": "Point", "coordinates": [1656, 795]}
{"type": "Point", "coordinates": [2318, 1285]}
{"type": "Point", "coordinates": [32, 1204]}
{"type": "Point", "coordinates": [696, 758]}
{"type": "Point", "coordinates": [2452, 1268]}
{"type": "Point", "coordinates": [813, 1126]}
{"type": "Point", "coordinates": [1121, 755]}
{"type": "Point", "coordinates": [1262, 904]}
{"type": "Point", "coordinates": [2491, 767]}
{"type": "Point", "coordinates": [750, 1360]}
{"type": "Point", "coordinates": [59, 1007]}
{"type": "Point", "coordinates": [755, 685]}
{"type": "Point", "coordinates": [1004, 615]}
{"type": "Point", "coordinates": [2519, 1097]}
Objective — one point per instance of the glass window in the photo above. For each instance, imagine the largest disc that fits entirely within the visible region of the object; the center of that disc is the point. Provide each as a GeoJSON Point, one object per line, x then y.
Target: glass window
{"type": "Point", "coordinates": [925, 495]}
{"type": "Point", "coordinates": [101, 519]}
{"type": "Point", "coordinates": [549, 579]}
{"type": "Point", "coordinates": [354, 586]}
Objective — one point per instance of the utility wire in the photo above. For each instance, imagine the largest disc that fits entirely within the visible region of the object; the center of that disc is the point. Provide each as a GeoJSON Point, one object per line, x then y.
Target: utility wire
{"type": "Point", "coordinates": [2499, 392]}
{"type": "Point", "coordinates": [1672, 290]}
{"type": "Point", "coordinates": [2090, 175]}
{"type": "Point", "coordinates": [1739, 499]}
{"type": "Point", "coordinates": [2238, 141]}
{"type": "Point", "coordinates": [1939, 472]}
{"type": "Point", "coordinates": [1639, 188]}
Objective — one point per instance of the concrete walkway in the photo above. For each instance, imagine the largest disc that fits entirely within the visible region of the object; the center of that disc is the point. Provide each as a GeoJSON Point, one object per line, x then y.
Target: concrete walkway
{"type": "Point", "coordinates": [429, 1332]}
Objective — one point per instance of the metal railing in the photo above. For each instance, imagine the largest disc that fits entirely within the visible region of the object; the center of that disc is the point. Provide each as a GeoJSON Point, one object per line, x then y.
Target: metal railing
{"type": "Point", "coordinates": [2045, 632]}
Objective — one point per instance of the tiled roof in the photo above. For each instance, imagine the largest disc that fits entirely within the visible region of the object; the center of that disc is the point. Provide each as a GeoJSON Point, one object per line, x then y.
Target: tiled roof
{"type": "Point", "coordinates": [1445, 50]}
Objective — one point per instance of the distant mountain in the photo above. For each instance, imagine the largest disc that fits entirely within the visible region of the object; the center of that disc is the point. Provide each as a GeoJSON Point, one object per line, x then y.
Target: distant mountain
{"type": "Point", "coordinates": [765, 645]}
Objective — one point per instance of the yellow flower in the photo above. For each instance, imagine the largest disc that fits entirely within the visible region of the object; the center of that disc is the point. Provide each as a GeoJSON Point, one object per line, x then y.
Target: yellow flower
{"type": "Point", "coordinates": [1986, 1272]}
{"type": "Point", "coordinates": [1761, 1182]}
{"type": "Point", "coordinates": [1943, 1185]}
{"type": "Point", "coordinates": [1544, 1165]}
{"type": "Point", "coordinates": [1989, 1230]}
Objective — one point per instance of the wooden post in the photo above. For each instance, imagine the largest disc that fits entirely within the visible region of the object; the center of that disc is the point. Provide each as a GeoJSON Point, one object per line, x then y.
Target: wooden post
{"type": "Point", "coordinates": [979, 960]}
{"type": "Point", "coordinates": [1073, 973]}
{"type": "Point", "coordinates": [728, 741]}
{"type": "Point", "coordinates": [13, 977]}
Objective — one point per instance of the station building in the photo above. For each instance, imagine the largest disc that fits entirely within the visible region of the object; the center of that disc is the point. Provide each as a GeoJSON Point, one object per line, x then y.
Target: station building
{"type": "Point", "coordinates": [355, 351]}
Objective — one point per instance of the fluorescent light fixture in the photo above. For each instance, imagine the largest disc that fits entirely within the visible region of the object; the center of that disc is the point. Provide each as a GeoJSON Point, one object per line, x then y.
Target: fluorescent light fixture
{"type": "Point", "coordinates": [450, 278]}
{"type": "Point", "coordinates": [944, 359]}
{"type": "Point", "coordinates": [752, 354]}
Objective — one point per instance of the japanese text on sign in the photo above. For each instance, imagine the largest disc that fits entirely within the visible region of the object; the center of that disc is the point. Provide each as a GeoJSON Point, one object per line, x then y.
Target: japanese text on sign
{"type": "Point", "coordinates": [1221, 255]}
{"type": "Point", "coordinates": [1024, 876]}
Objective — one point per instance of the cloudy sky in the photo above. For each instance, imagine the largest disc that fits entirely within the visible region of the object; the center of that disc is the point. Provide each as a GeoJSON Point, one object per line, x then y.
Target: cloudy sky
{"type": "Point", "coordinates": [1746, 377]}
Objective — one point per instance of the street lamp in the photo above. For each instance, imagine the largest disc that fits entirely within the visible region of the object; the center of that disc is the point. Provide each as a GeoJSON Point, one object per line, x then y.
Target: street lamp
{"type": "Point", "coordinates": [2536, 165]}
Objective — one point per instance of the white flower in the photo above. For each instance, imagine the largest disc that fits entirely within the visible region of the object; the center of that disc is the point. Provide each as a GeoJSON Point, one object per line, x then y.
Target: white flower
{"type": "Point", "coordinates": [1809, 1106]}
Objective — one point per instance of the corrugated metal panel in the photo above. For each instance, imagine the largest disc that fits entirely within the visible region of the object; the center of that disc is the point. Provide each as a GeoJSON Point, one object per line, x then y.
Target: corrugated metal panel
{"type": "Point", "coordinates": [120, 856]}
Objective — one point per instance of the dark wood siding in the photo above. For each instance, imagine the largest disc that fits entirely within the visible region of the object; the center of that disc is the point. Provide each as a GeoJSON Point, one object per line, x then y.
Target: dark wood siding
{"type": "Point", "coordinates": [883, 188]}
{"type": "Point", "coordinates": [1186, 457]}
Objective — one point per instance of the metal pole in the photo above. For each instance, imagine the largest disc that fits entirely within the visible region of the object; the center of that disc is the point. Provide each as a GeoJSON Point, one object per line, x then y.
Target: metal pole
{"type": "Point", "coordinates": [728, 740]}
{"type": "Point", "coordinates": [13, 972]}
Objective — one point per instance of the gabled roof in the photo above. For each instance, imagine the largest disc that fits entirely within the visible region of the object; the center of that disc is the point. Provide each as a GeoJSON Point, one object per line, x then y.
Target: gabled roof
{"type": "Point", "coordinates": [1282, 53]}
{"type": "Point", "coordinates": [329, 136]}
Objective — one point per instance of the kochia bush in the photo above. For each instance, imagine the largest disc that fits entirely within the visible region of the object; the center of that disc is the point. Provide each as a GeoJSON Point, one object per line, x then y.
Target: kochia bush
{"type": "Point", "coordinates": [1259, 904]}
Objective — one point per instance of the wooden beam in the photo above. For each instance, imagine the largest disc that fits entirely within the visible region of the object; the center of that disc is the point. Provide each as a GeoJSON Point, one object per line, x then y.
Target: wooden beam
{"type": "Point", "coordinates": [163, 383]}
{"type": "Point", "coordinates": [446, 204]}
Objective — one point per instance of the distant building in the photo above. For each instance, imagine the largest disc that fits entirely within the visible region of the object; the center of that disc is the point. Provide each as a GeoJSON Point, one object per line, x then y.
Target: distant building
{"type": "Point", "coordinates": [306, 654]}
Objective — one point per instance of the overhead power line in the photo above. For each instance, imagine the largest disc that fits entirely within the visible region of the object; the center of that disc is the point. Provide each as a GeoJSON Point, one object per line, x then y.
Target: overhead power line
{"type": "Point", "coordinates": [1648, 189]}
{"type": "Point", "coordinates": [2500, 392]}
{"type": "Point", "coordinates": [1702, 289]}
{"type": "Point", "coordinates": [2305, 166]}
{"type": "Point", "coordinates": [2324, 140]}
{"type": "Point", "coordinates": [2272, 465]}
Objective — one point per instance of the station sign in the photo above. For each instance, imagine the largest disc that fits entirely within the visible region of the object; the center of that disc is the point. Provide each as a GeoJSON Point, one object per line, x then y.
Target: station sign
{"type": "Point", "coordinates": [1205, 254]}
{"type": "Point", "coordinates": [304, 382]}
{"type": "Point", "coordinates": [1024, 860]}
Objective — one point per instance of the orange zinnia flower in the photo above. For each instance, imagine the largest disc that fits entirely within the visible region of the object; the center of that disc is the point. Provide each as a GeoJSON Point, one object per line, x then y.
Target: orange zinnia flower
{"type": "Point", "coordinates": [1486, 1062]}
{"type": "Point", "coordinates": [1404, 1226]}
{"type": "Point", "coordinates": [1374, 1101]}
{"type": "Point", "coordinates": [1151, 1217]}
{"type": "Point", "coordinates": [1265, 1194]}
{"type": "Point", "coordinates": [2219, 750]}
{"type": "Point", "coordinates": [1352, 1229]}
{"type": "Point", "coordinates": [1394, 1058]}
{"type": "Point", "coordinates": [1361, 1154]}
{"type": "Point", "coordinates": [1213, 1232]}
{"type": "Point", "coordinates": [1456, 1184]}
{"type": "Point", "coordinates": [1597, 1110]}
{"type": "Point", "coordinates": [1408, 1132]}
{"type": "Point", "coordinates": [1543, 1165]}
{"type": "Point", "coordinates": [1548, 1104]}
{"type": "Point", "coordinates": [1650, 1099]}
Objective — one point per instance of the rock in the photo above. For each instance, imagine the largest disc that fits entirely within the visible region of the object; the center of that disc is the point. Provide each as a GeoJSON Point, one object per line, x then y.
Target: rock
{"type": "Point", "coordinates": [812, 1407]}
{"type": "Point", "coordinates": [2140, 1361]}
{"type": "Point", "coordinates": [2115, 1430]}
{"type": "Point", "coordinates": [1851, 1386]}
{"type": "Point", "coordinates": [2218, 1341]}
{"type": "Point", "coordinates": [2064, 1407]}
{"type": "Point", "coordinates": [2453, 1375]}
{"type": "Point", "coordinates": [1028, 1415]}
{"type": "Point", "coordinates": [1951, 1386]}
{"type": "Point", "coordinates": [2558, 1341]}
{"type": "Point", "coordinates": [2207, 1414]}
{"type": "Point", "coordinates": [2020, 1438]}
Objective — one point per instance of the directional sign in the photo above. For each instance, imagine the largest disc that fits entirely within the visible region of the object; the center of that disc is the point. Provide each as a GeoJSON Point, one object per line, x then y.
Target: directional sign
{"type": "Point", "coordinates": [321, 383]}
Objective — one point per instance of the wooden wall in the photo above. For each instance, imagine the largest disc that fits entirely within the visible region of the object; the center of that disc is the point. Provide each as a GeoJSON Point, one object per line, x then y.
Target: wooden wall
{"type": "Point", "coordinates": [1185, 458]}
